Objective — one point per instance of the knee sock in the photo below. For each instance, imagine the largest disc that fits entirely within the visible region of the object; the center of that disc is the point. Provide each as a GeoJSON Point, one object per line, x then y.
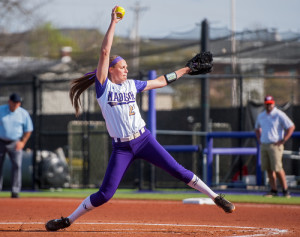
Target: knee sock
{"type": "Point", "coordinates": [83, 208]}
{"type": "Point", "coordinates": [199, 185]}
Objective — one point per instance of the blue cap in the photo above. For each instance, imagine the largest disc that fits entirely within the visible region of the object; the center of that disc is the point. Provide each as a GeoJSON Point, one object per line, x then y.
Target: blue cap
{"type": "Point", "coordinates": [15, 98]}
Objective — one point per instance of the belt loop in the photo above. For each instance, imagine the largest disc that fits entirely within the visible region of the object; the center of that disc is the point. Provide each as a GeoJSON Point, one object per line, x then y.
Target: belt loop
{"type": "Point", "coordinates": [142, 130]}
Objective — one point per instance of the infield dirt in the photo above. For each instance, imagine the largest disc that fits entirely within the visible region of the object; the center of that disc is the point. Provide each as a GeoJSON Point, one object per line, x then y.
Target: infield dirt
{"type": "Point", "coordinates": [26, 217]}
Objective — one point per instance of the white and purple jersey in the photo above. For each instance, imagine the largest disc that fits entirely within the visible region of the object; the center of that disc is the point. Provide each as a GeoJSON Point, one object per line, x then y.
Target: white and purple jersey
{"type": "Point", "coordinates": [119, 107]}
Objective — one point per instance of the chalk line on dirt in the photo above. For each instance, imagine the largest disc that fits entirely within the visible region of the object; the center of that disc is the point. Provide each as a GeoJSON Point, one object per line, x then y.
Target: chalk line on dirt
{"type": "Point", "coordinates": [257, 231]}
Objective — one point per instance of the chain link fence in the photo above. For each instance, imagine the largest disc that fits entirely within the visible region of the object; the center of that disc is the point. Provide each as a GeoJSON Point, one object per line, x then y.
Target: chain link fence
{"type": "Point", "coordinates": [85, 141]}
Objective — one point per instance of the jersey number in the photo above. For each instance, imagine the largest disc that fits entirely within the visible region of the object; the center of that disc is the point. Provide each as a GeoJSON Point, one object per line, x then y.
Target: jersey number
{"type": "Point", "coordinates": [131, 110]}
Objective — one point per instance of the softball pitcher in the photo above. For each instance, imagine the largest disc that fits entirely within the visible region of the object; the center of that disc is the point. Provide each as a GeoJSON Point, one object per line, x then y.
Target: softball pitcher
{"type": "Point", "coordinates": [131, 140]}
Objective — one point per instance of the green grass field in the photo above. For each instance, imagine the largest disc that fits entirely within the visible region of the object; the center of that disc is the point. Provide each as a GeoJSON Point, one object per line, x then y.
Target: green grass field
{"type": "Point", "coordinates": [175, 195]}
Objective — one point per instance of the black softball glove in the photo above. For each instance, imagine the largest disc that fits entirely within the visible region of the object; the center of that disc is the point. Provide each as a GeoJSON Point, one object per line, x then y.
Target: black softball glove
{"type": "Point", "coordinates": [201, 63]}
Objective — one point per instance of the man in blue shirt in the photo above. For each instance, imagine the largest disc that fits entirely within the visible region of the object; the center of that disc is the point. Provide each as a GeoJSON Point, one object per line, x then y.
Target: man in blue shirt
{"type": "Point", "coordinates": [15, 130]}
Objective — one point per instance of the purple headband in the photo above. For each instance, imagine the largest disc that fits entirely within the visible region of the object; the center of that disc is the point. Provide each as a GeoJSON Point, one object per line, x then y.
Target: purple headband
{"type": "Point", "coordinates": [90, 73]}
{"type": "Point", "coordinates": [115, 61]}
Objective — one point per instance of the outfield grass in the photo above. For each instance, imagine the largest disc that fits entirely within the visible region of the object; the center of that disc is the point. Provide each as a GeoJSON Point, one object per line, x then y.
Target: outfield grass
{"type": "Point", "coordinates": [175, 195]}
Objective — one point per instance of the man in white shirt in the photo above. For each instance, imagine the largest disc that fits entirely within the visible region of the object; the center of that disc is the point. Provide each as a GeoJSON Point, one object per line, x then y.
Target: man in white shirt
{"type": "Point", "coordinates": [273, 128]}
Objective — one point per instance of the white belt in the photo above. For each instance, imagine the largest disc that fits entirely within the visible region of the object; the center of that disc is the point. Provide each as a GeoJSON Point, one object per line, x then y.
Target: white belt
{"type": "Point", "coordinates": [131, 137]}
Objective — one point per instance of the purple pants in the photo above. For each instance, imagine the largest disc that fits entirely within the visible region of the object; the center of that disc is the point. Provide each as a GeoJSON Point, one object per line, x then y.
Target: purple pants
{"type": "Point", "coordinates": [124, 153]}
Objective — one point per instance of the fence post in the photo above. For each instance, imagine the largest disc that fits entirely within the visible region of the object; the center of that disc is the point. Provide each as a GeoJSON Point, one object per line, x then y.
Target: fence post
{"type": "Point", "coordinates": [36, 129]}
{"type": "Point", "coordinates": [204, 82]}
{"type": "Point", "coordinates": [209, 142]}
{"type": "Point", "coordinates": [152, 122]}
{"type": "Point", "coordinates": [258, 165]}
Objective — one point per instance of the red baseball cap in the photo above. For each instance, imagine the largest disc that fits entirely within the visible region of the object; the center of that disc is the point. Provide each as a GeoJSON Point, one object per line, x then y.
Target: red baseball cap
{"type": "Point", "coordinates": [269, 99]}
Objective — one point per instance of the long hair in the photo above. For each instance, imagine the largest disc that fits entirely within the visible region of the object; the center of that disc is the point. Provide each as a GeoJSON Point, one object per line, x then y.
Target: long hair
{"type": "Point", "coordinates": [79, 85]}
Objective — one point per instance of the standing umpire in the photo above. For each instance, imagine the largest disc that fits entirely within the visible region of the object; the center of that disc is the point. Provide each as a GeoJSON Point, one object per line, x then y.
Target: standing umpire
{"type": "Point", "coordinates": [273, 128]}
{"type": "Point", "coordinates": [15, 130]}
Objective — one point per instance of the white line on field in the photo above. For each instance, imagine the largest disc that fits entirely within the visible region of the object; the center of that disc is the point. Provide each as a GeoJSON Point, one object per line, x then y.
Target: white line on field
{"type": "Point", "coordinates": [260, 231]}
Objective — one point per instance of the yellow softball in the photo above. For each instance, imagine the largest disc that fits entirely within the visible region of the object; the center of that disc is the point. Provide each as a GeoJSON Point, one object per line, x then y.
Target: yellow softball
{"type": "Point", "coordinates": [120, 12]}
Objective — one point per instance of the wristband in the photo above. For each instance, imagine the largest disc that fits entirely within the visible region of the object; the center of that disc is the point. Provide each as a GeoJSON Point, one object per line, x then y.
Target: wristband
{"type": "Point", "coordinates": [170, 77]}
